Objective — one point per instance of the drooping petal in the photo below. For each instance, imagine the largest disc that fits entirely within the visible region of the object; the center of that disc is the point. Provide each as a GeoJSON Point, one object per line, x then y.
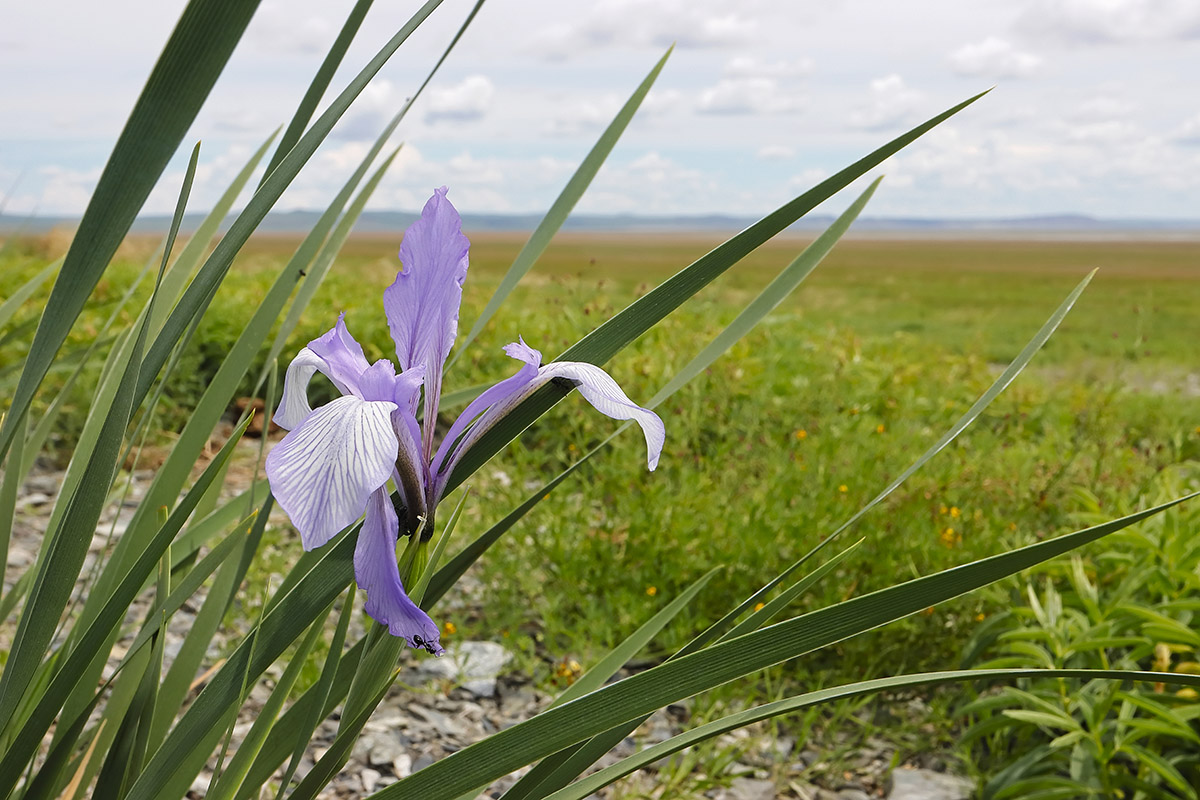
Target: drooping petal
{"type": "Point", "coordinates": [422, 304]}
{"type": "Point", "coordinates": [376, 571]}
{"type": "Point", "coordinates": [593, 383]}
{"type": "Point", "coordinates": [606, 397]}
{"type": "Point", "coordinates": [293, 406]}
{"type": "Point", "coordinates": [325, 469]}
{"type": "Point", "coordinates": [343, 356]}
{"type": "Point", "coordinates": [506, 388]}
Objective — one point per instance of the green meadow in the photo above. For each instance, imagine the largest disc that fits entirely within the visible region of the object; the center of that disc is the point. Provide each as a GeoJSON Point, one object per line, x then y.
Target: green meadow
{"type": "Point", "coordinates": [777, 444]}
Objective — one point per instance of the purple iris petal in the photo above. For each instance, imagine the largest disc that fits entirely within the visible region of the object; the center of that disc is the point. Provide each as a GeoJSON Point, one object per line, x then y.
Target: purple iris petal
{"type": "Point", "coordinates": [325, 469]}
{"type": "Point", "coordinates": [508, 387]}
{"type": "Point", "coordinates": [376, 571]}
{"type": "Point", "coordinates": [422, 304]}
{"type": "Point", "coordinates": [343, 355]}
{"type": "Point", "coordinates": [294, 407]}
{"type": "Point", "coordinates": [593, 383]}
{"type": "Point", "coordinates": [606, 397]}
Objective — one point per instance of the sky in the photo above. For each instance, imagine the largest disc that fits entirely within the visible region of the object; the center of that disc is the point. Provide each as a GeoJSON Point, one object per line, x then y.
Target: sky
{"type": "Point", "coordinates": [1095, 108]}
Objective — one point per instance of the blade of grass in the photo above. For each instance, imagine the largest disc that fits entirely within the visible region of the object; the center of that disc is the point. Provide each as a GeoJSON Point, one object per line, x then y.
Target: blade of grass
{"type": "Point", "coordinates": [10, 306]}
{"type": "Point", "coordinates": [8, 497]}
{"type": "Point", "coordinates": [999, 385]}
{"type": "Point", "coordinates": [319, 84]}
{"type": "Point", "coordinates": [720, 663]}
{"type": "Point", "coordinates": [199, 638]}
{"type": "Point", "coordinates": [202, 290]}
{"type": "Point", "coordinates": [558, 770]}
{"type": "Point", "coordinates": [303, 734]}
{"type": "Point", "coordinates": [28, 737]}
{"type": "Point", "coordinates": [190, 63]}
{"type": "Point", "coordinates": [784, 284]}
{"type": "Point", "coordinates": [593, 783]}
{"type": "Point", "coordinates": [66, 545]}
{"type": "Point", "coordinates": [192, 253]}
{"type": "Point", "coordinates": [563, 204]}
{"type": "Point", "coordinates": [608, 339]}
{"type": "Point", "coordinates": [233, 778]}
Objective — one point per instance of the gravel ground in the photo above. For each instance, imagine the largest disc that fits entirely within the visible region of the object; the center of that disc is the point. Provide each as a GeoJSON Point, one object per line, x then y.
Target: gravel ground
{"type": "Point", "coordinates": [439, 706]}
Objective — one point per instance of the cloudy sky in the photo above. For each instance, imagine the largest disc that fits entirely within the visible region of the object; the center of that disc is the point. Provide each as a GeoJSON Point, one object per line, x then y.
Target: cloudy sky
{"type": "Point", "coordinates": [1095, 108]}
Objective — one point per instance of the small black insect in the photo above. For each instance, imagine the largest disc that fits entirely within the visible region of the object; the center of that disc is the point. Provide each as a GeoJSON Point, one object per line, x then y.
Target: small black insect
{"type": "Point", "coordinates": [429, 646]}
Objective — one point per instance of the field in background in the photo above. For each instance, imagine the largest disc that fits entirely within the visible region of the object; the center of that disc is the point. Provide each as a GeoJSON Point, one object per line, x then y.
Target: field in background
{"type": "Point", "coordinates": [804, 421]}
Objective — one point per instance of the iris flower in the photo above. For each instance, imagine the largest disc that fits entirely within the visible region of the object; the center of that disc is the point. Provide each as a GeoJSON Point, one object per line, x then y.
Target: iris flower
{"type": "Point", "coordinates": [334, 464]}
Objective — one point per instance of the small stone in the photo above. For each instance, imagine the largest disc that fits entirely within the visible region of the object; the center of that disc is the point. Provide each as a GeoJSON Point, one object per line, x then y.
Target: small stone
{"type": "Point", "coordinates": [423, 761]}
{"type": "Point", "coordinates": [35, 499]}
{"type": "Point", "coordinates": [479, 664]}
{"type": "Point", "coordinates": [370, 779]}
{"type": "Point", "coordinates": [751, 789]}
{"type": "Point", "coordinates": [853, 794]}
{"type": "Point", "coordinates": [385, 750]}
{"type": "Point", "coordinates": [402, 765]}
{"type": "Point", "coordinates": [925, 784]}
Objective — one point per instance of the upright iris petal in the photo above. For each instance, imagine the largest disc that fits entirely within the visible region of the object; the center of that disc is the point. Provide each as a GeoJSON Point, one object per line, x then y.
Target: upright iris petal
{"type": "Point", "coordinates": [335, 463]}
{"type": "Point", "coordinates": [422, 304]}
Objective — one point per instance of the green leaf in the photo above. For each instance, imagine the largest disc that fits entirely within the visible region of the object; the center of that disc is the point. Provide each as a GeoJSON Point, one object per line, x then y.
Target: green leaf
{"type": "Point", "coordinates": [1043, 719]}
{"type": "Point", "coordinates": [598, 780]}
{"type": "Point", "coordinates": [233, 778]}
{"type": "Point", "coordinates": [611, 337]}
{"type": "Point", "coordinates": [10, 306]}
{"type": "Point", "coordinates": [190, 63]}
{"type": "Point", "coordinates": [25, 743]}
{"type": "Point", "coordinates": [999, 385]}
{"type": "Point", "coordinates": [318, 85]}
{"type": "Point", "coordinates": [66, 545]}
{"type": "Point", "coordinates": [202, 290]}
{"type": "Point", "coordinates": [674, 680]}
{"type": "Point", "coordinates": [563, 204]}
{"type": "Point", "coordinates": [619, 656]}
{"type": "Point", "coordinates": [786, 282]}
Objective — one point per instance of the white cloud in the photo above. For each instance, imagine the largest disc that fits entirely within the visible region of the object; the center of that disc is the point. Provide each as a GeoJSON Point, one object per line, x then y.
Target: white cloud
{"type": "Point", "coordinates": [583, 116]}
{"type": "Point", "coordinates": [892, 102]}
{"type": "Point", "coordinates": [807, 178]}
{"type": "Point", "coordinates": [462, 102]}
{"type": "Point", "coordinates": [635, 23]}
{"type": "Point", "coordinates": [751, 67]}
{"type": "Point", "coordinates": [1096, 21]}
{"type": "Point", "coordinates": [275, 28]}
{"type": "Point", "coordinates": [994, 58]}
{"type": "Point", "coordinates": [776, 152]}
{"type": "Point", "coordinates": [748, 96]}
{"type": "Point", "coordinates": [651, 184]}
{"type": "Point", "coordinates": [1103, 108]}
{"type": "Point", "coordinates": [1188, 132]}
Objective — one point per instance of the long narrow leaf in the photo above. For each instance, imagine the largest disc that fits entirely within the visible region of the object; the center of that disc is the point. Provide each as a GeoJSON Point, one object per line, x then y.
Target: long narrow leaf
{"type": "Point", "coordinates": [190, 63]}
{"type": "Point", "coordinates": [593, 783]}
{"type": "Point", "coordinates": [672, 681]}
{"type": "Point", "coordinates": [563, 204]}
{"type": "Point", "coordinates": [49, 701]}
{"type": "Point", "coordinates": [608, 339]}
{"type": "Point", "coordinates": [66, 546]}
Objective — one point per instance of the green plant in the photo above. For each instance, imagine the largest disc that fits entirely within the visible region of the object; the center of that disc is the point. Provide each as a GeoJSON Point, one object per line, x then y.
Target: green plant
{"type": "Point", "coordinates": [72, 723]}
{"type": "Point", "coordinates": [1130, 606]}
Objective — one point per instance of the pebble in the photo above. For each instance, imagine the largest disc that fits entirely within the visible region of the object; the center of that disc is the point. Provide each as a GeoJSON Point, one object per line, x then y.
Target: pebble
{"type": "Point", "coordinates": [925, 784]}
{"type": "Point", "coordinates": [460, 699]}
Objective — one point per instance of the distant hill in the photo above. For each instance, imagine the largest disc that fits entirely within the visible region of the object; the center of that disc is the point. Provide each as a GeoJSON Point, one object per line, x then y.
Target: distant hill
{"type": "Point", "coordinates": [393, 221]}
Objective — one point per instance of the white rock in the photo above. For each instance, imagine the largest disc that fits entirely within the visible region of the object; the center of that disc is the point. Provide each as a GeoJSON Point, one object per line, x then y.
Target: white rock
{"type": "Point", "coordinates": [925, 784]}
{"type": "Point", "coordinates": [370, 779]}
{"type": "Point", "coordinates": [402, 766]}
{"type": "Point", "coordinates": [474, 664]}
